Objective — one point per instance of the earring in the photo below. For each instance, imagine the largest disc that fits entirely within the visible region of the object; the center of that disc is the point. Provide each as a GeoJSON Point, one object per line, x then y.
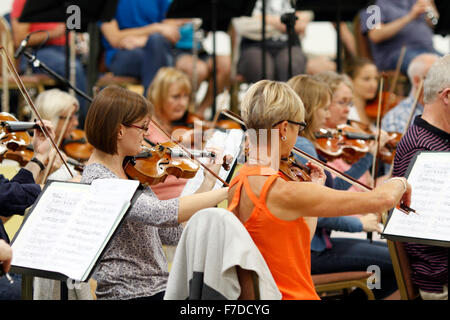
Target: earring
{"type": "Point", "coordinates": [283, 138]}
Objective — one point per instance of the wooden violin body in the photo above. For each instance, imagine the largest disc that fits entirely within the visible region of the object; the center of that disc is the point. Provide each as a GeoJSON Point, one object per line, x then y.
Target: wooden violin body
{"type": "Point", "coordinates": [155, 163]}
{"type": "Point", "coordinates": [387, 152]}
{"type": "Point", "coordinates": [14, 145]}
{"type": "Point", "coordinates": [388, 101]}
{"type": "Point", "coordinates": [77, 146]}
{"type": "Point", "coordinates": [345, 142]}
{"type": "Point", "coordinates": [294, 170]}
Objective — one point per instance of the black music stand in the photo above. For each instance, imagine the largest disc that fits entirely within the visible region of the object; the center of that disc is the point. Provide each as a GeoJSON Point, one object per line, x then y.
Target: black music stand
{"type": "Point", "coordinates": [216, 16]}
{"type": "Point", "coordinates": [56, 11]}
{"type": "Point", "coordinates": [334, 11]}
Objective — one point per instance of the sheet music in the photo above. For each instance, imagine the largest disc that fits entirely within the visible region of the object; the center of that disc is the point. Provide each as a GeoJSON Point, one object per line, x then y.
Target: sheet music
{"type": "Point", "coordinates": [70, 225]}
{"type": "Point", "coordinates": [430, 181]}
{"type": "Point", "coordinates": [230, 141]}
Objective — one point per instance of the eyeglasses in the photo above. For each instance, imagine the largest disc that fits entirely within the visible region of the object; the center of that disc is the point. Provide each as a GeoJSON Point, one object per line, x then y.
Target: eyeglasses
{"type": "Point", "coordinates": [137, 127]}
{"type": "Point", "coordinates": [302, 125]}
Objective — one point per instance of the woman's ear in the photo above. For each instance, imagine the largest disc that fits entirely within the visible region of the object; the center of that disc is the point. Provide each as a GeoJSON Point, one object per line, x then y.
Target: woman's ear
{"type": "Point", "coordinates": [121, 132]}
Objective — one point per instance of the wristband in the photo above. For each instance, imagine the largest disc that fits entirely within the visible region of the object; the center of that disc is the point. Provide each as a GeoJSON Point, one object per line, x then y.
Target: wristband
{"type": "Point", "coordinates": [403, 180]}
{"type": "Point", "coordinates": [39, 163]}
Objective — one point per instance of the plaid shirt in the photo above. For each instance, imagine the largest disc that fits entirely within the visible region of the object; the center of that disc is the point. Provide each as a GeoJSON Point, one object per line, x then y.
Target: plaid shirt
{"type": "Point", "coordinates": [395, 120]}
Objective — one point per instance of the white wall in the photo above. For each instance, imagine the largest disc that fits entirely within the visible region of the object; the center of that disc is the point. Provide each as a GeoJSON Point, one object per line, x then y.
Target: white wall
{"type": "Point", "coordinates": [5, 6]}
{"type": "Point", "coordinates": [320, 39]}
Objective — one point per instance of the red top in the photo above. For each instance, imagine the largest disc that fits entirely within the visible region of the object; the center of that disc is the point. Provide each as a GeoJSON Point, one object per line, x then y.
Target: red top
{"type": "Point", "coordinates": [285, 245]}
{"type": "Point", "coordinates": [16, 11]}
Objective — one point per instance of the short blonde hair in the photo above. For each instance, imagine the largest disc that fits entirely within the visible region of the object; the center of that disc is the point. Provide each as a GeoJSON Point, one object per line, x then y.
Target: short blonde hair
{"type": "Point", "coordinates": [267, 102]}
{"type": "Point", "coordinates": [159, 88]}
{"type": "Point", "coordinates": [334, 79]}
{"type": "Point", "coordinates": [315, 95]}
{"type": "Point", "coordinates": [52, 103]}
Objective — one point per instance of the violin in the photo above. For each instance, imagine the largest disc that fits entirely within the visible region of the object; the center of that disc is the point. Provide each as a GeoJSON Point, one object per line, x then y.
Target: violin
{"type": "Point", "coordinates": [346, 142]}
{"type": "Point", "coordinates": [77, 147]}
{"type": "Point", "coordinates": [387, 152]}
{"type": "Point", "coordinates": [154, 164]}
{"type": "Point", "coordinates": [389, 101]}
{"type": "Point", "coordinates": [16, 141]}
{"type": "Point", "coordinates": [295, 170]}
{"type": "Point", "coordinates": [15, 145]}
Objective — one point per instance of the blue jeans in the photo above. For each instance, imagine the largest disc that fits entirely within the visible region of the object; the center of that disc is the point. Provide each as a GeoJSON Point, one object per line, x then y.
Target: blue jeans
{"type": "Point", "coordinates": [55, 58]}
{"type": "Point", "coordinates": [410, 54]}
{"type": "Point", "coordinates": [11, 291]}
{"type": "Point", "coordinates": [144, 63]}
{"type": "Point", "coordinates": [357, 255]}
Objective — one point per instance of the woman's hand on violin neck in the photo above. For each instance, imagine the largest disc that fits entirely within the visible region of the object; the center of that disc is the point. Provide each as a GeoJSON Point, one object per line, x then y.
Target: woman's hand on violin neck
{"type": "Point", "coordinates": [317, 174]}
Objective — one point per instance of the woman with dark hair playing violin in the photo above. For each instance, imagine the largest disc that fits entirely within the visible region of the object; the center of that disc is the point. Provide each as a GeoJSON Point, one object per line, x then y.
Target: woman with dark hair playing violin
{"type": "Point", "coordinates": [331, 254]}
{"type": "Point", "coordinates": [134, 266]}
{"type": "Point", "coordinates": [273, 209]}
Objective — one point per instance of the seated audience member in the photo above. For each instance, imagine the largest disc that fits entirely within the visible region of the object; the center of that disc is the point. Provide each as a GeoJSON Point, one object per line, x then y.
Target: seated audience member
{"type": "Point", "coordinates": [429, 132]}
{"type": "Point", "coordinates": [52, 52]}
{"type": "Point", "coordinates": [184, 60]}
{"type": "Point", "coordinates": [277, 54]}
{"type": "Point", "coordinates": [138, 41]}
{"type": "Point", "coordinates": [402, 23]}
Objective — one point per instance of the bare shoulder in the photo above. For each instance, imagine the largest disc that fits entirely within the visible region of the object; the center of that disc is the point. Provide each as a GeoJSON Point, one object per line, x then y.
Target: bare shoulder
{"type": "Point", "coordinates": [289, 200]}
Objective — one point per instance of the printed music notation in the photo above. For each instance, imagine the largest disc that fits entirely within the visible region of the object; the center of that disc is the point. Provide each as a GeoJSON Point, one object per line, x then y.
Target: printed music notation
{"type": "Point", "coordinates": [430, 182]}
{"type": "Point", "coordinates": [70, 225]}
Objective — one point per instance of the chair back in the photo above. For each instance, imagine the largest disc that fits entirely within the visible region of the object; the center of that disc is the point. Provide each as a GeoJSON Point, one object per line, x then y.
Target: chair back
{"type": "Point", "coordinates": [402, 269]}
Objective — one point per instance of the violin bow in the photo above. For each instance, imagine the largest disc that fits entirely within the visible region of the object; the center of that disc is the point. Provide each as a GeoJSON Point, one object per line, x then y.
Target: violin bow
{"type": "Point", "coordinates": [378, 127]}
{"type": "Point", "coordinates": [322, 164]}
{"type": "Point", "coordinates": [157, 126]}
{"type": "Point", "coordinates": [25, 94]}
{"type": "Point", "coordinates": [397, 71]}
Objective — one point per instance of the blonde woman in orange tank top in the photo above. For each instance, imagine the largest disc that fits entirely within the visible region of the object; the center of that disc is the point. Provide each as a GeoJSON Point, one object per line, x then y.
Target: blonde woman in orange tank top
{"type": "Point", "coordinates": [278, 213]}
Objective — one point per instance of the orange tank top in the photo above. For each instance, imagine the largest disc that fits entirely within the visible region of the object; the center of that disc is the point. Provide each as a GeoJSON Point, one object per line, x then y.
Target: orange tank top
{"type": "Point", "coordinates": [285, 245]}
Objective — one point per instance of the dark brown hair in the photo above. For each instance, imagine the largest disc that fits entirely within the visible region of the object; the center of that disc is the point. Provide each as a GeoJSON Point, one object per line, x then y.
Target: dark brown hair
{"type": "Point", "coordinates": [110, 108]}
{"type": "Point", "coordinates": [353, 68]}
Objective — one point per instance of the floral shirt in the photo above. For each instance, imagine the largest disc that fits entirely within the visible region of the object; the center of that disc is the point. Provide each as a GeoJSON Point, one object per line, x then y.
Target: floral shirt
{"type": "Point", "coordinates": [134, 264]}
